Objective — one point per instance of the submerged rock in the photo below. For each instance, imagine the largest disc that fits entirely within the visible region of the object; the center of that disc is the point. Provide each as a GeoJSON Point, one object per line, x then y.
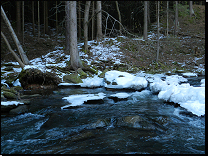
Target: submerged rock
{"type": "Point", "coordinates": [12, 90]}
{"type": "Point", "coordinates": [100, 123]}
{"type": "Point", "coordinates": [137, 122]}
{"type": "Point", "coordinates": [82, 136]}
{"type": "Point", "coordinates": [7, 106]}
{"type": "Point", "coordinates": [19, 110]}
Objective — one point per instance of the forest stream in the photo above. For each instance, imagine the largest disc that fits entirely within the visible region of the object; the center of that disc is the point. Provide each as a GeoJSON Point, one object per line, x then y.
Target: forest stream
{"type": "Point", "coordinates": [139, 124]}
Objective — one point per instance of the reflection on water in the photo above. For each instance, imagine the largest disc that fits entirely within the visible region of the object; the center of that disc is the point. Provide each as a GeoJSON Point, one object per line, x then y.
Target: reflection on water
{"type": "Point", "coordinates": [141, 124]}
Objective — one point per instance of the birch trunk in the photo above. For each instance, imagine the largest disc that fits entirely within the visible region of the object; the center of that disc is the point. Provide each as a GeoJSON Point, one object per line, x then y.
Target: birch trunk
{"type": "Point", "coordinates": [99, 21]}
{"type": "Point", "coordinates": [191, 11]}
{"type": "Point", "coordinates": [86, 16]}
{"type": "Point", "coordinates": [145, 20]}
{"type": "Point", "coordinates": [38, 21]}
{"type": "Point", "coordinates": [13, 53]}
{"type": "Point", "coordinates": [119, 17]}
{"type": "Point", "coordinates": [93, 20]}
{"type": "Point", "coordinates": [23, 22]}
{"type": "Point", "coordinates": [67, 24]}
{"type": "Point", "coordinates": [167, 16]}
{"type": "Point", "coordinates": [176, 18]}
{"type": "Point", "coordinates": [19, 47]}
{"type": "Point", "coordinates": [33, 18]}
{"type": "Point", "coordinates": [158, 25]}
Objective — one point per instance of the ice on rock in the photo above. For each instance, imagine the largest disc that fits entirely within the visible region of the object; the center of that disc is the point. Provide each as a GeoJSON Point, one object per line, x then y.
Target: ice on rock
{"type": "Point", "coordinates": [189, 74]}
{"type": "Point", "coordinates": [92, 82]}
{"type": "Point", "coordinates": [117, 79]}
{"type": "Point", "coordinates": [121, 95]}
{"type": "Point", "coordinates": [175, 79]}
{"type": "Point", "coordinates": [158, 85]}
{"type": "Point", "coordinates": [77, 100]}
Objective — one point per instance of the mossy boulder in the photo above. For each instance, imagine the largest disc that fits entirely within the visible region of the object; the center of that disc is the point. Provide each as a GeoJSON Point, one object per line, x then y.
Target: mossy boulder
{"type": "Point", "coordinates": [9, 68]}
{"type": "Point", "coordinates": [17, 88]}
{"type": "Point", "coordinates": [82, 74]}
{"type": "Point", "coordinates": [34, 76]}
{"type": "Point", "coordinates": [8, 64]}
{"type": "Point", "coordinates": [2, 97]}
{"type": "Point", "coordinates": [9, 95]}
{"type": "Point", "coordinates": [10, 78]}
{"type": "Point", "coordinates": [102, 75]}
{"type": "Point", "coordinates": [12, 90]}
{"type": "Point", "coordinates": [72, 78]}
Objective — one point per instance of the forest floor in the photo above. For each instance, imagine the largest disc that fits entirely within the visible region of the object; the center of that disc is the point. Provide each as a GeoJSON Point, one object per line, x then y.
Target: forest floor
{"type": "Point", "coordinates": [185, 51]}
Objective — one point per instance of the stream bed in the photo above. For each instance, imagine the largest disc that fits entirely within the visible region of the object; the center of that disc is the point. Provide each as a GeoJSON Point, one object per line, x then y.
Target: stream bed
{"type": "Point", "coordinates": [140, 124]}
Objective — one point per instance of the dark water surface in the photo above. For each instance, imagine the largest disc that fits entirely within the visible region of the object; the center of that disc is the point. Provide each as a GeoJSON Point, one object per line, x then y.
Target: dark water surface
{"type": "Point", "coordinates": [141, 124]}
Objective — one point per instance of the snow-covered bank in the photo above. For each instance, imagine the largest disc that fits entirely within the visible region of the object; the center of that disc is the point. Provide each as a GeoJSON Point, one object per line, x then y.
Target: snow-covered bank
{"type": "Point", "coordinates": [189, 97]}
{"type": "Point", "coordinates": [169, 88]}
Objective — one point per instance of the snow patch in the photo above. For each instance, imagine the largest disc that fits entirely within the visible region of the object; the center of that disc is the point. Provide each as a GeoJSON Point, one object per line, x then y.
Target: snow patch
{"type": "Point", "coordinates": [121, 95]}
{"type": "Point", "coordinates": [77, 100]}
{"type": "Point", "coordinates": [117, 79]}
{"type": "Point", "coordinates": [189, 74]}
{"type": "Point", "coordinates": [11, 103]}
{"type": "Point", "coordinates": [92, 82]}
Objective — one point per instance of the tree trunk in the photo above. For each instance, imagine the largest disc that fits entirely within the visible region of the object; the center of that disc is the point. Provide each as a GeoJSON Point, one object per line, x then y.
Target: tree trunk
{"type": "Point", "coordinates": [67, 23]}
{"type": "Point", "coordinates": [23, 22]}
{"type": "Point", "coordinates": [56, 19]}
{"type": "Point", "coordinates": [191, 11]}
{"type": "Point", "coordinates": [79, 20]}
{"type": "Point", "coordinates": [18, 17]}
{"type": "Point", "coordinates": [19, 47]}
{"type": "Point", "coordinates": [38, 21]}
{"type": "Point", "coordinates": [33, 18]}
{"type": "Point", "coordinates": [176, 18]}
{"type": "Point", "coordinates": [119, 17]}
{"type": "Point", "coordinates": [167, 16]}
{"type": "Point", "coordinates": [156, 9]}
{"type": "Point", "coordinates": [145, 20]}
{"type": "Point", "coordinates": [46, 17]}
{"type": "Point", "coordinates": [13, 53]}
{"type": "Point", "coordinates": [93, 19]}
{"type": "Point", "coordinates": [99, 21]}
{"type": "Point", "coordinates": [158, 25]}
{"type": "Point", "coordinates": [74, 55]}
{"type": "Point", "coordinates": [85, 23]}
{"type": "Point", "coordinates": [148, 13]}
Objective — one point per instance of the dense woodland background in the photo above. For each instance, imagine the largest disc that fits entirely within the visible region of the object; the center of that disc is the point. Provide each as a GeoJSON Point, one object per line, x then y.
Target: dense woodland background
{"type": "Point", "coordinates": [24, 16]}
{"type": "Point", "coordinates": [52, 14]}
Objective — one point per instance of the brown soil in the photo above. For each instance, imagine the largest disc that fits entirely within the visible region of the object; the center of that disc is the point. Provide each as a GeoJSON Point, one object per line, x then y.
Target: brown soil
{"type": "Point", "coordinates": [174, 50]}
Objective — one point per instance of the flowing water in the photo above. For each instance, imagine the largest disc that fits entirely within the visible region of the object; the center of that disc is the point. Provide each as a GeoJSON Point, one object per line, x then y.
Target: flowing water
{"type": "Point", "coordinates": [140, 124]}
